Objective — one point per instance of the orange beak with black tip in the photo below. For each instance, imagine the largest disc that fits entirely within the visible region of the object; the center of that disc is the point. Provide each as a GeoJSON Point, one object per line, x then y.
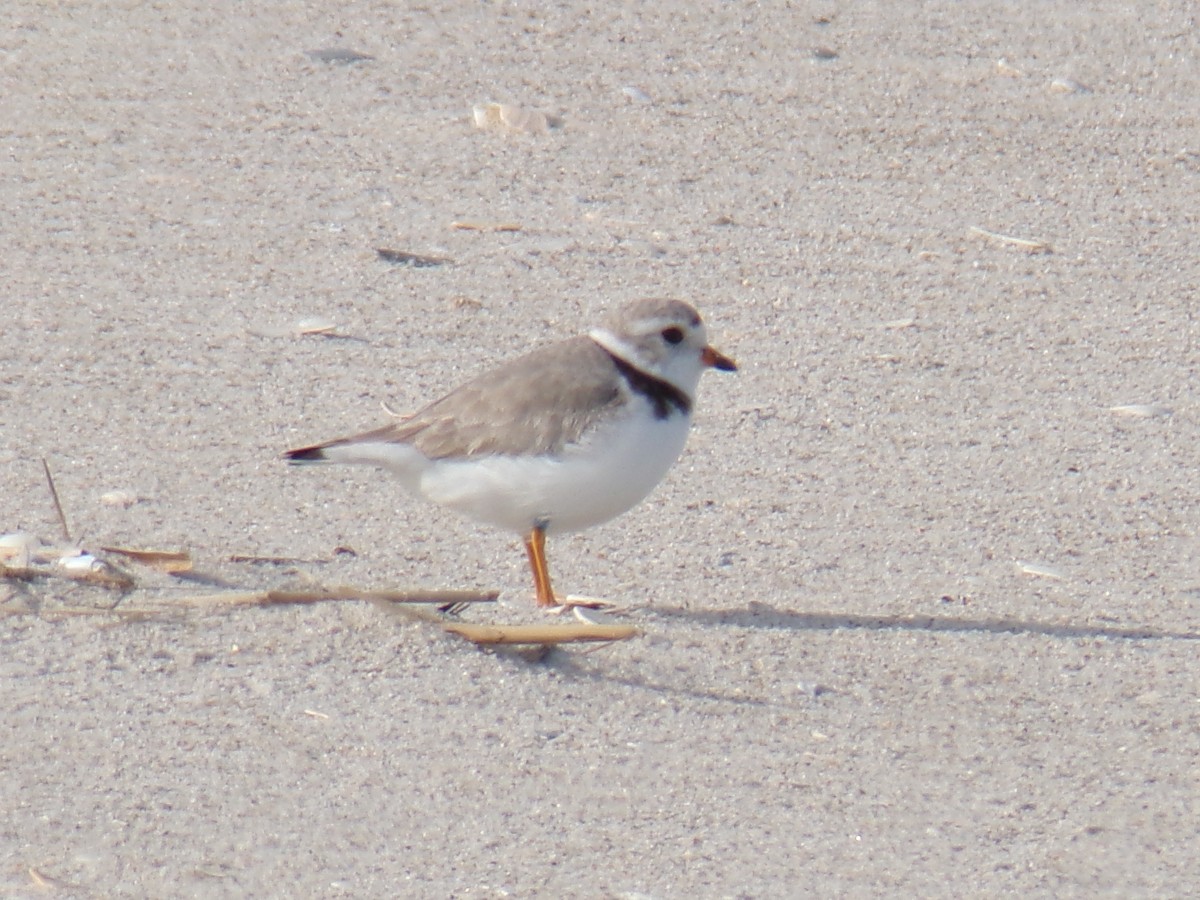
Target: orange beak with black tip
{"type": "Point", "coordinates": [715, 359]}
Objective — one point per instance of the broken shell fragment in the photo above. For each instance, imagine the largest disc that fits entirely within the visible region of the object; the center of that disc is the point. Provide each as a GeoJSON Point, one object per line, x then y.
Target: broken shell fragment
{"type": "Point", "coordinates": [1040, 570]}
{"type": "Point", "coordinates": [512, 119]}
{"type": "Point", "coordinates": [84, 562]}
{"type": "Point", "coordinates": [315, 325]}
{"type": "Point", "coordinates": [17, 549]}
{"type": "Point", "coordinates": [1068, 86]}
{"type": "Point", "coordinates": [86, 567]}
{"type": "Point", "coordinates": [123, 499]}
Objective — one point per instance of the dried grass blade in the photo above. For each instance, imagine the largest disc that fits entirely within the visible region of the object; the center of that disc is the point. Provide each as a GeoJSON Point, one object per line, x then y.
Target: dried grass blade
{"type": "Point", "coordinates": [439, 597]}
{"type": "Point", "coordinates": [62, 517]}
{"type": "Point", "coordinates": [171, 561]}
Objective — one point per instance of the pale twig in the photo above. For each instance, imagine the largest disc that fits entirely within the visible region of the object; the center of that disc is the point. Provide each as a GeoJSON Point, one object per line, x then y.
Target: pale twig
{"type": "Point", "coordinates": [1032, 246]}
{"type": "Point", "coordinates": [270, 598]}
{"type": "Point", "coordinates": [1023, 243]}
{"type": "Point", "coordinates": [416, 595]}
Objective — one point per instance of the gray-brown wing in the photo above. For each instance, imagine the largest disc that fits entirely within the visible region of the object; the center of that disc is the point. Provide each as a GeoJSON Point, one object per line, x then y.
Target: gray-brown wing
{"type": "Point", "coordinates": [537, 403]}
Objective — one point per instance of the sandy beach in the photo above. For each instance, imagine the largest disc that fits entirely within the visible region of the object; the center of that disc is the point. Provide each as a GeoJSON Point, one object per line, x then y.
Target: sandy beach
{"type": "Point", "coordinates": [918, 607]}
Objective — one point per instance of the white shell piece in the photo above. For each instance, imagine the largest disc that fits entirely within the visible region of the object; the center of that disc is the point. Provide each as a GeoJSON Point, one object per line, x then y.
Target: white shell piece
{"type": "Point", "coordinates": [84, 562]}
{"type": "Point", "coordinates": [123, 499]}
{"type": "Point", "coordinates": [16, 549]}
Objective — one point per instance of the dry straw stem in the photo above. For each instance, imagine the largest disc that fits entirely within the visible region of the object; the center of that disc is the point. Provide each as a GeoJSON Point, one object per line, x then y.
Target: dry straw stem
{"type": "Point", "coordinates": [415, 595]}
{"type": "Point", "coordinates": [226, 598]}
{"type": "Point", "coordinates": [269, 598]}
{"type": "Point", "coordinates": [1023, 243]}
{"type": "Point", "coordinates": [273, 560]}
{"type": "Point", "coordinates": [102, 574]}
{"type": "Point", "coordinates": [170, 561]}
{"type": "Point", "coordinates": [479, 225]}
{"type": "Point", "coordinates": [540, 634]}
{"type": "Point", "coordinates": [46, 883]}
{"type": "Point", "coordinates": [17, 573]}
{"type": "Point", "coordinates": [62, 518]}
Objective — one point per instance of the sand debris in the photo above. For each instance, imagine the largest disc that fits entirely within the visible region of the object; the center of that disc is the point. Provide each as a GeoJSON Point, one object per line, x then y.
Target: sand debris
{"type": "Point", "coordinates": [17, 550]}
{"type": "Point", "coordinates": [421, 596]}
{"type": "Point", "coordinates": [92, 570]}
{"type": "Point", "coordinates": [62, 517]}
{"type": "Point", "coordinates": [543, 635]}
{"type": "Point", "coordinates": [412, 260]}
{"type": "Point", "coordinates": [48, 883]}
{"type": "Point", "coordinates": [318, 326]}
{"type": "Point", "coordinates": [1141, 410]}
{"type": "Point", "coordinates": [173, 562]}
{"type": "Point", "coordinates": [1033, 246]}
{"type": "Point", "coordinates": [256, 559]}
{"type": "Point", "coordinates": [478, 225]}
{"type": "Point", "coordinates": [1005, 68]}
{"type": "Point", "coordinates": [340, 56]}
{"type": "Point", "coordinates": [1040, 570]}
{"type": "Point", "coordinates": [1068, 86]}
{"type": "Point", "coordinates": [123, 499]}
{"type": "Point", "coordinates": [506, 117]}
{"type": "Point", "coordinates": [27, 557]}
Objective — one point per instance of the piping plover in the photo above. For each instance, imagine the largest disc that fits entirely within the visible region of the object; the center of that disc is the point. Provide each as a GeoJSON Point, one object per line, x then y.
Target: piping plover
{"type": "Point", "coordinates": [560, 439]}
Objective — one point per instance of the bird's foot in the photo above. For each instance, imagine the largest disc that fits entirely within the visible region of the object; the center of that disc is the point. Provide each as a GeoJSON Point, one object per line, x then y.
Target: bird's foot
{"type": "Point", "coordinates": [592, 610]}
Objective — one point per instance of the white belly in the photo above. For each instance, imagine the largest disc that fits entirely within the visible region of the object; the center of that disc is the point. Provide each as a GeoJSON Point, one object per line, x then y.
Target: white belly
{"type": "Point", "coordinates": [591, 483]}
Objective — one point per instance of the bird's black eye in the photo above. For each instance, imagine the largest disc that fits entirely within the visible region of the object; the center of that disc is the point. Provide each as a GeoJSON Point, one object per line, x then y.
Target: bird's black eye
{"type": "Point", "coordinates": [672, 335]}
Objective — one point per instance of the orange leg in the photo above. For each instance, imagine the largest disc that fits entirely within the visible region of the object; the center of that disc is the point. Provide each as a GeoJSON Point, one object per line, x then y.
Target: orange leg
{"type": "Point", "coordinates": [535, 548]}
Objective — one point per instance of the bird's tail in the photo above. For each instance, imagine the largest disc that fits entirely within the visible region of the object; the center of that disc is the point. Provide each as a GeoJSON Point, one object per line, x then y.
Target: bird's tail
{"type": "Point", "coordinates": [400, 458]}
{"type": "Point", "coordinates": [306, 455]}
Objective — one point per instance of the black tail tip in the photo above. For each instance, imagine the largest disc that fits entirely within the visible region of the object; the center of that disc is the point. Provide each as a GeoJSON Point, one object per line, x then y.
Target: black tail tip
{"type": "Point", "coordinates": [305, 455]}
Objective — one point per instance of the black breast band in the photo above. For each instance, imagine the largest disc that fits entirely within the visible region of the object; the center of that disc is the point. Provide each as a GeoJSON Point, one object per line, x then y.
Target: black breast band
{"type": "Point", "coordinates": [663, 396]}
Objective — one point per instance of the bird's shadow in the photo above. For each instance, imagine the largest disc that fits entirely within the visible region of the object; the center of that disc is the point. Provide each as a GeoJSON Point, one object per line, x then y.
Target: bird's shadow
{"type": "Point", "coordinates": [763, 615]}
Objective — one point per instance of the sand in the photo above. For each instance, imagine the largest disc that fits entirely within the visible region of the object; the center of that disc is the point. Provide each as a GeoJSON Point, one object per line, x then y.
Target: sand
{"type": "Point", "coordinates": [919, 606]}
